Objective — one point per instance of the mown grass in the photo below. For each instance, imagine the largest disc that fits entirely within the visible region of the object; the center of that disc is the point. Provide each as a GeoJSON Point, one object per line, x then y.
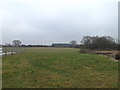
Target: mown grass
{"type": "Point", "coordinates": [59, 68]}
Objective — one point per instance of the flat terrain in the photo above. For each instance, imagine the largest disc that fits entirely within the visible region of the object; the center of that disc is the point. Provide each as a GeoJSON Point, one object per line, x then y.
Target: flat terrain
{"type": "Point", "coordinates": [58, 68]}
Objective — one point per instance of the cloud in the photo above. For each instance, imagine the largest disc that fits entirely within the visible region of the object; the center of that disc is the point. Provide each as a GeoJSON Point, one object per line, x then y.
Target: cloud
{"type": "Point", "coordinates": [47, 21]}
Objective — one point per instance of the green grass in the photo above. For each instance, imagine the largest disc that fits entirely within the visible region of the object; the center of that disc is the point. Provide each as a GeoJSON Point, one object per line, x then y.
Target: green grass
{"type": "Point", "coordinates": [59, 68]}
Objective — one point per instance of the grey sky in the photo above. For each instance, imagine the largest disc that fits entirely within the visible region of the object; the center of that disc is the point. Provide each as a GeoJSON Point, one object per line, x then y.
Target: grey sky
{"type": "Point", "coordinates": [48, 21]}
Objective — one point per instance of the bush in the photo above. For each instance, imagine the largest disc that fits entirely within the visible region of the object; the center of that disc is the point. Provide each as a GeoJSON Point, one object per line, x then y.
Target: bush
{"type": "Point", "coordinates": [83, 50]}
{"type": "Point", "coordinates": [117, 56]}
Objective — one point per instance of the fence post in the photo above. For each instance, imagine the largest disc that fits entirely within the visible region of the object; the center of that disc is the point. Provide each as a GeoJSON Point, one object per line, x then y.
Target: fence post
{"type": "Point", "coordinates": [12, 50]}
{"type": "Point", "coordinates": [5, 50]}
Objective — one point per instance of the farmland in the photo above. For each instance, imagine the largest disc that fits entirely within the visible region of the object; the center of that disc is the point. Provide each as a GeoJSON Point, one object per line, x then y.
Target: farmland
{"type": "Point", "coordinates": [58, 68]}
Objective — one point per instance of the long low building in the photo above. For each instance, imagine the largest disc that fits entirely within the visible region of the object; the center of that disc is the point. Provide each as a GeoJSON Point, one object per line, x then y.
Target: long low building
{"type": "Point", "coordinates": [61, 45]}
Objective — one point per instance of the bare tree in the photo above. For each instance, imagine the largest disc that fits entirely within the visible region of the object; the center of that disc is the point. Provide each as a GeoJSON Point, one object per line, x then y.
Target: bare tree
{"type": "Point", "coordinates": [16, 44]}
{"type": "Point", "coordinates": [73, 43]}
{"type": "Point", "coordinates": [104, 42]}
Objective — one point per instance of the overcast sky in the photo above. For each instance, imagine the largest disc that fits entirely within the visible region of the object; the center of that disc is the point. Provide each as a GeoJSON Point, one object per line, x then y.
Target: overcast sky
{"type": "Point", "coordinates": [50, 21]}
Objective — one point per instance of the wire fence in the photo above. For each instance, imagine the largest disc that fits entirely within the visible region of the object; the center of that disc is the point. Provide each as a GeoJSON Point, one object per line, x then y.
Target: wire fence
{"type": "Point", "coordinates": [10, 50]}
{"type": "Point", "coordinates": [0, 51]}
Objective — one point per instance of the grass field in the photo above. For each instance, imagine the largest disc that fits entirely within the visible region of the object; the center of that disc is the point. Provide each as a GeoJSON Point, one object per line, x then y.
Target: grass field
{"type": "Point", "coordinates": [59, 68]}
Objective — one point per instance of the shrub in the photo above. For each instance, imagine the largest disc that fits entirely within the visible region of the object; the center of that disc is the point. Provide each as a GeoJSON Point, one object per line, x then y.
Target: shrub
{"type": "Point", "coordinates": [83, 50]}
{"type": "Point", "coordinates": [117, 56]}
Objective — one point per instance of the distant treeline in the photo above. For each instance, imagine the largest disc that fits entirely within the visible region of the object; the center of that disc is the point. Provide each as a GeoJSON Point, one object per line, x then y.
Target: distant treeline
{"type": "Point", "coordinates": [29, 46]}
{"type": "Point", "coordinates": [77, 46]}
{"type": "Point", "coordinates": [36, 45]}
{"type": "Point", "coordinates": [88, 42]}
